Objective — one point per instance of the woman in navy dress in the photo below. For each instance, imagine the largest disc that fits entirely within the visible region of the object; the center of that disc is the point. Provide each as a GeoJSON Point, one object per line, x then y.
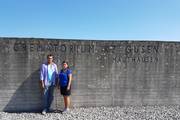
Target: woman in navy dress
{"type": "Point", "coordinates": [65, 78]}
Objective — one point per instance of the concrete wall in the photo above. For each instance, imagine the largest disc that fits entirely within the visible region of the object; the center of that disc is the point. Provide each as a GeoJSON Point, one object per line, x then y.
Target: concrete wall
{"type": "Point", "coordinates": [105, 73]}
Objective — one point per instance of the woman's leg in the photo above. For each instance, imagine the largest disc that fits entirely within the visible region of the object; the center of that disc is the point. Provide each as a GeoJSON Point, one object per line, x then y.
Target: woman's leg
{"type": "Point", "coordinates": [67, 101]}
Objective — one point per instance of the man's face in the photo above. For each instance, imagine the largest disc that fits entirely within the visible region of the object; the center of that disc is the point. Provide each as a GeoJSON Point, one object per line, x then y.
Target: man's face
{"type": "Point", "coordinates": [50, 59]}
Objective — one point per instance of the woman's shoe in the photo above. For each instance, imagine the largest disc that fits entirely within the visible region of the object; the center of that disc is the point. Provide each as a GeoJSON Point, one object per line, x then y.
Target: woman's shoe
{"type": "Point", "coordinates": [65, 110]}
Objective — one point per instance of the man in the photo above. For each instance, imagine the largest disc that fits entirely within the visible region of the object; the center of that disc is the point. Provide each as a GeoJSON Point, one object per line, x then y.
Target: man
{"type": "Point", "coordinates": [48, 75]}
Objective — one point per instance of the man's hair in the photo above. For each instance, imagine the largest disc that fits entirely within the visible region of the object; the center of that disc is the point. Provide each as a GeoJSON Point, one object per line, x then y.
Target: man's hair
{"type": "Point", "coordinates": [49, 55]}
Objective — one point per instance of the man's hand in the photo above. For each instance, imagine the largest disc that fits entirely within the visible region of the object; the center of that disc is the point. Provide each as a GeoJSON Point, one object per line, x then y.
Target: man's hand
{"type": "Point", "coordinates": [58, 86]}
{"type": "Point", "coordinates": [41, 84]}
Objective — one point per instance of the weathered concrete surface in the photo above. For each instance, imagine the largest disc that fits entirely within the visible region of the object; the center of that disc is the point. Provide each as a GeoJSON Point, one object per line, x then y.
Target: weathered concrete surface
{"type": "Point", "coordinates": [105, 73]}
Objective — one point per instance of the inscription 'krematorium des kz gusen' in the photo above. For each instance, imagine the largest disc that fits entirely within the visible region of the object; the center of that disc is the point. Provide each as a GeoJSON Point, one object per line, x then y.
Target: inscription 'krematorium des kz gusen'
{"type": "Point", "coordinates": [105, 73]}
{"type": "Point", "coordinates": [128, 52]}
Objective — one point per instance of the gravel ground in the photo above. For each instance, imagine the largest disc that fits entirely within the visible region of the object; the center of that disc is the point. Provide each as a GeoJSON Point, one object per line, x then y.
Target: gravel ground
{"type": "Point", "coordinates": [103, 113]}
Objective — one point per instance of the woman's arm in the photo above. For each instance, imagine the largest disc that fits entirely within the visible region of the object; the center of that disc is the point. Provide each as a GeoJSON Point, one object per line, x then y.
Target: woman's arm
{"type": "Point", "coordinates": [69, 83]}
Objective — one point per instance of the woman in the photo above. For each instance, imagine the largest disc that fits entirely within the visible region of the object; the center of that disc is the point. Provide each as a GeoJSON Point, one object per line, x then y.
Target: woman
{"type": "Point", "coordinates": [65, 78]}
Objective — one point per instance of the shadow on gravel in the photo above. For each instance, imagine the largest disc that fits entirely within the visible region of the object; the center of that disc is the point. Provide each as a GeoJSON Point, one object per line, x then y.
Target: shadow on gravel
{"type": "Point", "coordinates": [27, 97]}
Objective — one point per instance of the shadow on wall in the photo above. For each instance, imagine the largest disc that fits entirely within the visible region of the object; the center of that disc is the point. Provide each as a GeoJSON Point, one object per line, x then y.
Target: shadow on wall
{"type": "Point", "coordinates": [28, 97]}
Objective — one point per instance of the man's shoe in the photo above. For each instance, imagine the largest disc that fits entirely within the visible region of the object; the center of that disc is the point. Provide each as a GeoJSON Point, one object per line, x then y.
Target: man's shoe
{"type": "Point", "coordinates": [44, 112]}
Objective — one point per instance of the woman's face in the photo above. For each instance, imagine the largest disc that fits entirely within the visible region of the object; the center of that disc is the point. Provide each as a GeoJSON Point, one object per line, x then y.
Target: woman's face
{"type": "Point", "coordinates": [64, 65]}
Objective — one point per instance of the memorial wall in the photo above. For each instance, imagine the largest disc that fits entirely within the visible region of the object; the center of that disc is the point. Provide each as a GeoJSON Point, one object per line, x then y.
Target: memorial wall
{"type": "Point", "coordinates": [105, 73]}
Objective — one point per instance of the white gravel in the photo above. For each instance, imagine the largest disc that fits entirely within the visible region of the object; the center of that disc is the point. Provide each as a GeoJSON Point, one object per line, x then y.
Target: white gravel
{"type": "Point", "coordinates": [103, 113]}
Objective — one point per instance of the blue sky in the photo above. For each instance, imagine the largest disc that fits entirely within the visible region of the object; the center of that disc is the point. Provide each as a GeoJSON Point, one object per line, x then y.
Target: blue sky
{"type": "Point", "coordinates": [91, 19]}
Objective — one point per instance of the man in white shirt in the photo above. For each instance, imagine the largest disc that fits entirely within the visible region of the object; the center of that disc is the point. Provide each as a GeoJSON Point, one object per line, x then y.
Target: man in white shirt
{"type": "Point", "coordinates": [48, 75]}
